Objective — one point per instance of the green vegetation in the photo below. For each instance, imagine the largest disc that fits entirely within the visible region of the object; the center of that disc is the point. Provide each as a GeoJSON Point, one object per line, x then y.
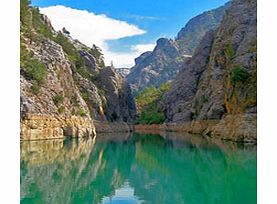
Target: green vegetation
{"type": "Point", "coordinates": [24, 11]}
{"type": "Point", "coordinates": [31, 20]}
{"type": "Point", "coordinates": [58, 99]}
{"type": "Point", "coordinates": [239, 75]}
{"type": "Point", "coordinates": [61, 109]}
{"type": "Point", "coordinates": [24, 55]}
{"type": "Point", "coordinates": [204, 99]}
{"type": "Point", "coordinates": [35, 89]}
{"type": "Point", "coordinates": [78, 110]}
{"type": "Point", "coordinates": [242, 90]}
{"type": "Point", "coordinates": [34, 28]}
{"type": "Point", "coordinates": [81, 112]}
{"type": "Point", "coordinates": [40, 26]}
{"type": "Point", "coordinates": [229, 51]}
{"type": "Point", "coordinates": [36, 70]}
{"type": "Point", "coordinates": [98, 55]}
{"type": "Point", "coordinates": [154, 117]}
{"type": "Point", "coordinates": [33, 69]}
{"type": "Point", "coordinates": [85, 95]}
{"type": "Point", "coordinates": [149, 105]}
{"type": "Point", "coordinates": [69, 49]}
{"type": "Point", "coordinates": [83, 72]}
{"type": "Point", "coordinates": [73, 55]}
{"type": "Point", "coordinates": [239, 84]}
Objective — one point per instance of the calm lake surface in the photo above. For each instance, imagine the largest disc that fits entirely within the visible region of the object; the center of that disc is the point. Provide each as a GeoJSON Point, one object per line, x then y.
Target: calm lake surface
{"type": "Point", "coordinates": [138, 168]}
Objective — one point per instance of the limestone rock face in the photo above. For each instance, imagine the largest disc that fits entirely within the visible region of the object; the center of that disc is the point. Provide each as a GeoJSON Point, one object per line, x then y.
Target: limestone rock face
{"type": "Point", "coordinates": [220, 79]}
{"type": "Point", "coordinates": [120, 104]}
{"type": "Point", "coordinates": [65, 86]}
{"type": "Point", "coordinates": [38, 127]}
{"type": "Point", "coordinates": [177, 101]}
{"type": "Point", "coordinates": [233, 54]}
{"type": "Point", "coordinates": [240, 128]}
{"type": "Point", "coordinates": [42, 115]}
{"type": "Point", "coordinates": [189, 36]}
{"type": "Point", "coordinates": [59, 82]}
{"type": "Point", "coordinates": [157, 67]}
{"type": "Point", "coordinates": [169, 56]}
{"type": "Point", "coordinates": [123, 72]}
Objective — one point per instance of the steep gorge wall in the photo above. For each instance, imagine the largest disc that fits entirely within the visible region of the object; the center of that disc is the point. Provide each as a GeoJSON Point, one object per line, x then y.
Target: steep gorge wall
{"type": "Point", "coordinates": [64, 85]}
{"type": "Point", "coordinates": [219, 82]}
{"type": "Point", "coordinates": [52, 108]}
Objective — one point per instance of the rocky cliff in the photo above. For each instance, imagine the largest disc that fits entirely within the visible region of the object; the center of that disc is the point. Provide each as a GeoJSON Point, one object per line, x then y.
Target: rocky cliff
{"type": "Point", "coordinates": [65, 85]}
{"type": "Point", "coordinates": [189, 36]}
{"type": "Point", "coordinates": [123, 71]}
{"type": "Point", "coordinates": [219, 81]}
{"type": "Point", "coordinates": [167, 58]}
{"type": "Point", "coordinates": [157, 67]}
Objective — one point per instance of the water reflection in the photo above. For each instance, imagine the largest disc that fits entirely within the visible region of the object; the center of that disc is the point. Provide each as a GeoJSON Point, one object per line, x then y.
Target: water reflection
{"type": "Point", "coordinates": [125, 194]}
{"type": "Point", "coordinates": [124, 168]}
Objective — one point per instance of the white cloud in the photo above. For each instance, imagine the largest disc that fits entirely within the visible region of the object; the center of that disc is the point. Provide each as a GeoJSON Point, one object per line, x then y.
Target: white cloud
{"type": "Point", "coordinates": [121, 60]}
{"type": "Point", "coordinates": [126, 60]}
{"type": "Point", "coordinates": [90, 28]}
{"type": "Point", "coordinates": [143, 47]}
{"type": "Point", "coordinates": [142, 18]}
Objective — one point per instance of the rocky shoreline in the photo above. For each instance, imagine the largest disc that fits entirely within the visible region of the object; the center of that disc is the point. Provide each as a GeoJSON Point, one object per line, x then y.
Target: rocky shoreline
{"type": "Point", "coordinates": [113, 127]}
{"type": "Point", "coordinates": [237, 128]}
{"type": "Point", "coordinates": [43, 127]}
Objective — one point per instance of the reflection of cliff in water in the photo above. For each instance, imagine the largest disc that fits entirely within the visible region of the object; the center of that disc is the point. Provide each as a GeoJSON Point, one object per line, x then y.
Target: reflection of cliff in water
{"type": "Point", "coordinates": [160, 169]}
{"type": "Point", "coordinates": [217, 171]}
{"type": "Point", "coordinates": [57, 171]}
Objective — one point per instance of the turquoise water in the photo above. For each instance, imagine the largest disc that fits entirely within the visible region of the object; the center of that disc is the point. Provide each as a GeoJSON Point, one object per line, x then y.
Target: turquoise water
{"type": "Point", "coordinates": [122, 168]}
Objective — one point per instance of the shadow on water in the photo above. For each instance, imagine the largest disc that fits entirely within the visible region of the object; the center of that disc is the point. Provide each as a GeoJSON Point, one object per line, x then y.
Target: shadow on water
{"type": "Point", "coordinates": [138, 168]}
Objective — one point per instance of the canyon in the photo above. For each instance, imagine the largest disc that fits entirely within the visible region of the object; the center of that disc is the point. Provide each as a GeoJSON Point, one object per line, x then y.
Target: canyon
{"type": "Point", "coordinates": [210, 70]}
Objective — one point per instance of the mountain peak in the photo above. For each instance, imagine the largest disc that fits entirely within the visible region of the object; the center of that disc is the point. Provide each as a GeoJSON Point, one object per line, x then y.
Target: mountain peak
{"type": "Point", "coordinates": [163, 64]}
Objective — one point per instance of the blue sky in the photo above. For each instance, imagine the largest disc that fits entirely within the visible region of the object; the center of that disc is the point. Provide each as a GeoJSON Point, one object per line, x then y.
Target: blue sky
{"type": "Point", "coordinates": [156, 18]}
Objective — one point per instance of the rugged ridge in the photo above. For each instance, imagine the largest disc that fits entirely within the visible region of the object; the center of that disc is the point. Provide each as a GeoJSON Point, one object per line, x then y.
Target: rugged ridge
{"type": "Point", "coordinates": [167, 58]}
{"type": "Point", "coordinates": [189, 36]}
{"type": "Point", "coordinates": [219, 81]}
{"type": "Point", "coordinates": [65, 85]}
{"type": "Point", "coordinates": [157, 67]}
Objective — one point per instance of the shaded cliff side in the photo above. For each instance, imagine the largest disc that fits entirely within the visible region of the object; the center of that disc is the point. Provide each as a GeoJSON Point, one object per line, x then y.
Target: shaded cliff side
{"type": "Point", "coordinates": [169, 56]}
{"type": "Point", "coordinates": [64, 83]}
{"type": "Point", "coordinates": [219, 81]}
